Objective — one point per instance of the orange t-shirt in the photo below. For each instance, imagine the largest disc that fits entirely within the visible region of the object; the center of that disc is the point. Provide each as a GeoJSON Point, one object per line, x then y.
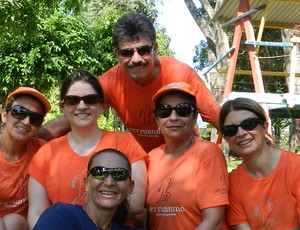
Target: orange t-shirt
{"type": "Point", "coordinates": [134, 104]}
{"type": "Point", "coordinates": [14, 181]}
{"type": "Point", "coordinates": [272, 202]}
{"type": "Point", "coordinates": [180, 188]}
{"type": "Point", "coordinates": [61, 171]}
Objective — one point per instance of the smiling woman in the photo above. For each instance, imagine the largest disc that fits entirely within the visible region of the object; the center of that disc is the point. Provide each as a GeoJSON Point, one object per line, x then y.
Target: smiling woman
{"type": "Point", "coordinates": [108, 184]}
{"type": "Point", "coordinates": [266, 183]}
{"type": "Point", "coordinates": [57, 171]}
{"type": "Point", "coordinates": [22, 116]}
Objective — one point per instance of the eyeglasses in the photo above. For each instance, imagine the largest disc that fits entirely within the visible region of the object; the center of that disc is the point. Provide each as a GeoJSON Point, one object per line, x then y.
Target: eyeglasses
{"type": "Point", "coordinates": [118, 174]}
{"type": "Point", "coordinates": [182, 109]}
{"type": "Point", "coordinates": [142, 51]}
{"type": "Point", "coordinates": [73, 100]}
{"type": "Point", "coordinates": [20, 113]}
{"type": "Point", "coordinates": [247, 124]}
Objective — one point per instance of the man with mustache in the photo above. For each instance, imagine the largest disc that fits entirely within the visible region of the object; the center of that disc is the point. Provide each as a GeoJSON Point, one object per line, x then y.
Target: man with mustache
{"type": "Point", "coordinates": [130, 85]}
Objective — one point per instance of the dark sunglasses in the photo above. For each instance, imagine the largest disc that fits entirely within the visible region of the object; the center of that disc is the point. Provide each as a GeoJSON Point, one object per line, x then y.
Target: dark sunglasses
{"type": "Point", "coordinates": [142, 51]}
{"type": "Point", "coordinates": [20, 113]}
{"type": "Point", "coordinates": [247, 124]}
{"type": "Point", "coordinates": [118, 174]}
{"type": "Point", "coordinates": [73, 100]}
{"type": "Point", "coordinates": [182, 109]}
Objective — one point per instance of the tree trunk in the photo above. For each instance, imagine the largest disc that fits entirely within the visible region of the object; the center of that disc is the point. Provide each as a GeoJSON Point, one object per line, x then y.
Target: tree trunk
{"type": "Point", "coordinates": [294, 134]}
{"type": "Point", "coordinates": [217, 42]}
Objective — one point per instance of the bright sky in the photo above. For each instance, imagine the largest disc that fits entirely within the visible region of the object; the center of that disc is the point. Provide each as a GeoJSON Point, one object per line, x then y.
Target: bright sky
{"type": "Point", "coordinates": [181, 28]}
{"type": "Point", "coordinates": [183, 31]}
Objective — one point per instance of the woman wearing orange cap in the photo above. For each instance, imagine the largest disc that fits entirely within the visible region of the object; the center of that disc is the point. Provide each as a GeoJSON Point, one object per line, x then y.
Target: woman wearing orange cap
{"type": "Point", "coordinates": [187, 175]}
{"type": "Point", "coordinates": [23, 114]}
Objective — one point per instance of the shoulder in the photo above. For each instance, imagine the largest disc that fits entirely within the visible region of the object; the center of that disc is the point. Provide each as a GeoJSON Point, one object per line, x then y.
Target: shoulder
{"type": "Point", "coordinates": [158, 151]}
{"type": "Point", "coordinates": [291, 161]}
{"type": "Point", "coordinates": [60, 216]}
{"type": "Point", "coordinates": [62, 207]}
{"type": "Point", "coordinates": [206, 148]}
{"type": "Point", "coordinates": [56, 142]}
{"type": "Point", "coordinates": [172, 61]}
{"type": "Point", "coordinates": [112, 73]}
{"type": "Point", "coordinates": [236, 173]}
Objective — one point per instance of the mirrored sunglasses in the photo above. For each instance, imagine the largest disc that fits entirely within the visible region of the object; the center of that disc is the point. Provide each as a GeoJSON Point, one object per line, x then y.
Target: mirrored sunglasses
{"type": "Point", "coordinates": [142, 51]}
{"type": "Point", "coordinates": [118, 174]}
{"type": "Point", "coordinates": [182, 109]}
{"type": "Point", "coordinates": [73, 100]}
{"type": "Point", "coordinates": [247, 124]}
{"type": "Point", "coordinates": [20, 113]}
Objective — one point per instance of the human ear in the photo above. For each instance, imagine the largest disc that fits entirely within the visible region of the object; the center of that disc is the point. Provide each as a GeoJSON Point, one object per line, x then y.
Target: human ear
{"type": "Point", "coordinates": [3, 116]}
{"type": "Point", "coordinates": [86, 184]}
{"type": "Point", "coordinates": [131, 186]}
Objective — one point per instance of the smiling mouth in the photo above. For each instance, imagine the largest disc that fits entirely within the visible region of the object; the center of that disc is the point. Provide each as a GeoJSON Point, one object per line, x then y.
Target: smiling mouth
{"type": "Point", "coordinates": [243, 143]}
{"type": "Point", "coordinates": [82, 115]}
{"type": "Point", "coordinates": [106, 193]}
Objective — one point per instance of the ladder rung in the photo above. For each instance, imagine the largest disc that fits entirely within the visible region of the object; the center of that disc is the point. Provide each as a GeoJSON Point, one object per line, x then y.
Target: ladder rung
{"type": "Point", "coordinates": [276, 44]}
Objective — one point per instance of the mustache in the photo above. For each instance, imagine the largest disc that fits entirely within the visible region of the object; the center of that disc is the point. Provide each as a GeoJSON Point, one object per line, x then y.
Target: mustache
{"type": "Point", "coordinates": [141, 63]}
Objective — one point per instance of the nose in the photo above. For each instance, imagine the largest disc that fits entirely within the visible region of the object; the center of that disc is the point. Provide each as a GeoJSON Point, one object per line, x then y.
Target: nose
{"type": "Point", "coordinates": [136, 58]}
{"type": "Point", "coordinates": [81, 104]}
{"type": "Point", "coordinates": [240, 131]}
{"type": "Point", "coordinates": [173, 115]}
{"type": "Point", "coordinates": [26, 120]}
{"type": "Point", "coordinates": [109, 180]}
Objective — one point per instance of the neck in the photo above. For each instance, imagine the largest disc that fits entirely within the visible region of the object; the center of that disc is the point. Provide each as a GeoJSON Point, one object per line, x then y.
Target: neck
{"type": "Point", "coordinates": [263, 163]}
{"type": "Point", "coordinates": [100, 218]}
{"type": "Point", "coordinates": [11, 150]}
{"type": "Point", "coordinates": [83, 143]}
{"type": "Point", "coordinates": [177, 148]}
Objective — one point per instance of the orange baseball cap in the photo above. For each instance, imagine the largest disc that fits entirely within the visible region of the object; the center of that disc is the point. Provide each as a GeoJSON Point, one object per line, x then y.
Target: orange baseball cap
{"type": "Point", "coordinates": [33, 92]}
{"type": "Point", "coordinates": [175, 86]}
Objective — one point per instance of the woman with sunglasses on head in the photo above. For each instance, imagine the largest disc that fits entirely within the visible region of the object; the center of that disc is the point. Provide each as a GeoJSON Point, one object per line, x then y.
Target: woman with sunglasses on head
{"type": "Point", "coordinates": [22, 115]}
{"type": "Point", "coordinates": [58, 169]}
{"type": "Point", "coordinates": [265, 188]}
{"type": "Point", "coordinates": [187, 175]}
{"type": "Point", "coordinates": [108, 183]}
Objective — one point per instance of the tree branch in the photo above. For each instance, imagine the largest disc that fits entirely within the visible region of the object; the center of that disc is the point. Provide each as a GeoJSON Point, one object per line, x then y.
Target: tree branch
{"type": "Point", "coordinates": [209, 10]}
{"type": "Point", "coordinates": [201, 22]}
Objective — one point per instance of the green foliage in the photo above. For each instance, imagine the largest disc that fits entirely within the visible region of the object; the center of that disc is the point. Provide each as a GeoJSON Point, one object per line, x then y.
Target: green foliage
{"type": "Point", "coordinates": [201, 59]}
{"type": "Point", "coordinates": [21, 17]}
{"type": "Point", "coordinates": [232, 164]}
{"type": "Point", "coordinates": [61, 45]}
{"type": "Point", "coordinates": [42, 42]}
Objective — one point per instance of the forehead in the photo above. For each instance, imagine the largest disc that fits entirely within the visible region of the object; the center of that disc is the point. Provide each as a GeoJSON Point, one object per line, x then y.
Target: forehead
{"type": "Point", "coordinates": [30, 103]}
{"type": "Point", "coordinates": [81, 88]}
{"type": "Point", "coordinates": [237, 116]}
{"type": "Point", "coordinates": [141, 41]}
{"type": "Point", "coordinates": [110, 160]}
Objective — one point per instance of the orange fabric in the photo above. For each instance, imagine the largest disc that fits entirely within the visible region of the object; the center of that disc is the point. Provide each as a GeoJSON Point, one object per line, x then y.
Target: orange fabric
{"type": "Point", "coordinates": [134, 103]}
{"type": "Point", "coordinates": [14, 181]}
{"type": "Point", "coordinates": [180, 188]}
{"type": "Point", "coordinates": [272, 202]}
{"type": "Point", "coordinates": [61, 171]}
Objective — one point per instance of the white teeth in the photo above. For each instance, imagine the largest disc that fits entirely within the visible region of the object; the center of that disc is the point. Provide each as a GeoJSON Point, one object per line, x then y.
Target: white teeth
{"type": "Point", "coordinates": [22, 129]}
{"type": "Point", "coordinates": [245, 142]}
{"type": "Point", "coordinates": [81, 115]}
{"type": "Point", "coordinates": [107, 193]}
